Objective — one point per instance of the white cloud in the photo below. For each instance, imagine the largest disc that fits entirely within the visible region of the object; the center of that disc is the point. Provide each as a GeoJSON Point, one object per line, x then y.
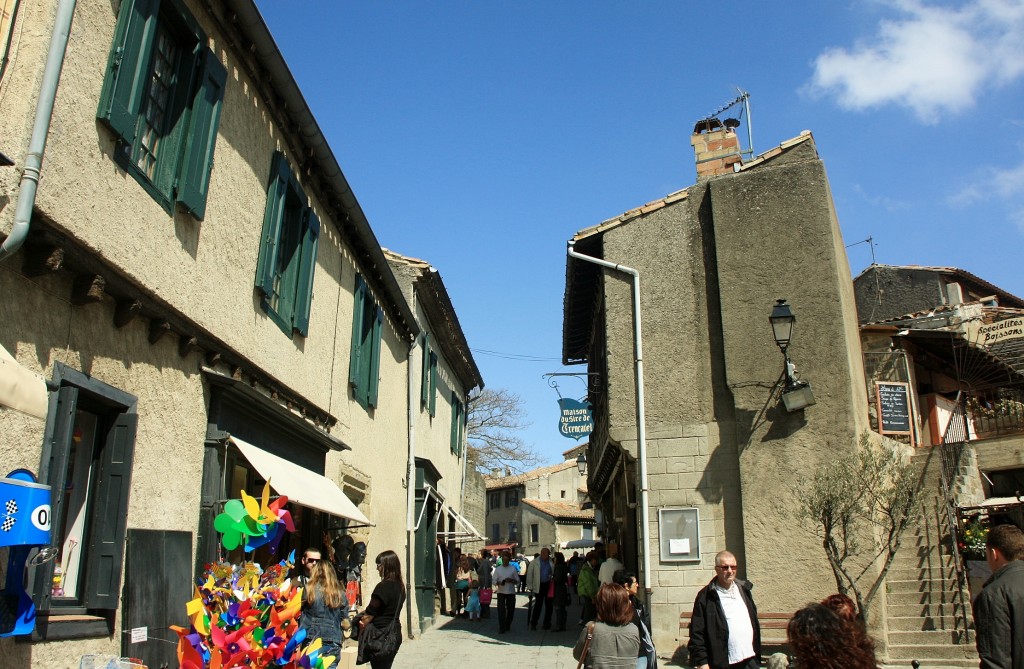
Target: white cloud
{"type": "Point", "coordinates": [995, 184]}
{"type": "Point", "coordinates": [931, 59]}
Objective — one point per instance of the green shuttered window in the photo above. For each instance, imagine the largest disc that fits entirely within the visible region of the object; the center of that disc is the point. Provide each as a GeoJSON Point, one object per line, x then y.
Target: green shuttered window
{"type": "Point", "coordinates": [458, 424]}
{"type": "Point", "coordinates": [162, 97]}
{"type": "Point", "coordinates": [288, 245]}
{"type": "Point", "coordinates": [364, 355]}
{"type": "Point", "coordinates": [428, 384]}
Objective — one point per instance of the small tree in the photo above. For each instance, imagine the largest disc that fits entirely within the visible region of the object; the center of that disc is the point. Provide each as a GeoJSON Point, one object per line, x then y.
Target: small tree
{"type": "Point", "coordinates": [870, 496]}
{"type": "Point", "coordinates": [493, 419]}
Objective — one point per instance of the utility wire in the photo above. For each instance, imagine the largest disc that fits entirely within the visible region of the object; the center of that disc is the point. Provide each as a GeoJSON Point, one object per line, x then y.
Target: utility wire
{"type": "Point", "coordinates": [514, 356]}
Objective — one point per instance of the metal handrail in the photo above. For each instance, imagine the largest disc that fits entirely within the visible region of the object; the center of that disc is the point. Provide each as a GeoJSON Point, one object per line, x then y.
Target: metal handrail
{"type": "Point", "coordinates": [951, 449]}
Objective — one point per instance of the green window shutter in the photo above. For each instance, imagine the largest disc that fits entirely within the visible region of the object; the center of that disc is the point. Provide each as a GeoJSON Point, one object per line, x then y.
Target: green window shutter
{"type": "Point", "coordinates": [277, 190]}
{"type": "Point", "coordinates": [110, 515]}
{"type": "Point", "coordinates": [375, 343]}
{"type": "Point", "coordinates": [432, 400]}
{"type": "Point", "coordinates": [455, 424]}
{"type": "Point", "coordinates": [61, 433]}
{"type": "Point", "coordinates": [425, 371]}
{"type": "Point", "coordinates": [197, 163]}
{"type": "Point", "coordinates": [304, 289]}
{"type": "Point", "coordinates": [128, 67]}
{"type": "Point", "coordinates": [356, 349]}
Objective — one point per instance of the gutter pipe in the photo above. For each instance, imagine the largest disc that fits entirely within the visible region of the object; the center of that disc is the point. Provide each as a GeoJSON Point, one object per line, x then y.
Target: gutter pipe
{"type": "Point", "coordinates": [410, 485]}
{"type": "Point", "coordinates": [641, 427]}
{"type": "Point", "coordinates": [40, 129]}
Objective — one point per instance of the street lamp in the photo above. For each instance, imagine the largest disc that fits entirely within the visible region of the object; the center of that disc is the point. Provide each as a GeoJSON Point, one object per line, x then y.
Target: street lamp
{"type": "Point", "coordinates": [795, 394]}
{"type": "Point", "coordinates": [581, 463]}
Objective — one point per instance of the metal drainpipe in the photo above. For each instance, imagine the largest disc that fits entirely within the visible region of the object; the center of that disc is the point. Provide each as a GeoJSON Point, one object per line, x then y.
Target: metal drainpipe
{"type": "Point", "coordinates": [641, 428]}
{"type": "Point", "coordinates": [40, 129]}
{"type": "Point", "coordinates": [410, 518]}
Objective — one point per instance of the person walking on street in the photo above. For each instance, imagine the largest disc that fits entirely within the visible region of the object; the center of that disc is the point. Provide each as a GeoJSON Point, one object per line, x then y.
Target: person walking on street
{"type": "Point", "coordinates": [522, 565]}
{"type": "Point", "coordinates": [611, 565]}
{"type": "Point", "coordinates": [560, 578]}
{"type": "Point", "coordinates": [486, 588]}
{"type": "Point", "coordinates": [324, 607]}
{"type": "Point", "coordinates": [587, 587]}
{"type": "Point", "coordinates": [647, 657]}
{"type": "Point", "coordinates": [538, 580]}
{"type": "Point", "coordinates": [999, 609]}
{"type": "Point", "coordinates": [612, 641]}
{"type": "Point", "coordinates": [505, 579]}
{"type": "Point", "coordinates": [724, 633]}
{"type": "Point", "coordinates": [385, 607]}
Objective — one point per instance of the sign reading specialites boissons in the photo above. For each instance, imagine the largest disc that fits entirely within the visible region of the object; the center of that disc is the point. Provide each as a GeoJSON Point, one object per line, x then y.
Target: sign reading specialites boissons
{"type": "Point", "coordinates": [576, 420]}
{"type": "Point", "coordinates": [987, 334]}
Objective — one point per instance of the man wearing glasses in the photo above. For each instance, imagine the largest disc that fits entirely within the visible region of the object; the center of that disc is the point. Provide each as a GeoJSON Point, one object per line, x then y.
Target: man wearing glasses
{"type": "Point", "coordinates": [309, 558]}
{"type": "Point", "coordinates": [724, 633]}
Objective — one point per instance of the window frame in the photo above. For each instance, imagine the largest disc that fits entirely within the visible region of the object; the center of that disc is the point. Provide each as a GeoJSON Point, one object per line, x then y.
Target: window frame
{"type": "Point", "coordinates": [428, 380]}
{"type": "Point", "coordinates": [286, 294]}
{"type": "Point", "coordinates": [458, 428]}
{"type": "Point", "coordinates": [106, 533]}
{"type": "Point", "coordinates": [188, 132]}
{"type": "Point", "coordinates": [534, 533]}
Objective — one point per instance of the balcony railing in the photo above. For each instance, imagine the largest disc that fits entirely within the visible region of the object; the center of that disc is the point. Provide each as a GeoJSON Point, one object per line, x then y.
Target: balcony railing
{"type": "Point", "coordinates": [998, 413]}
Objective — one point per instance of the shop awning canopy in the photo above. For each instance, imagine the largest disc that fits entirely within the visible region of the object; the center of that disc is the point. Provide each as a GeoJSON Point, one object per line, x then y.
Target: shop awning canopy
{"type": "Point", "coordinates": [299, 484]}
{"type": "Point", "coordinates": [580, 543]}
{"type": "Point", "coordinates": [463, 528]}
{"type": "Point", "coordinates": [20, 389]}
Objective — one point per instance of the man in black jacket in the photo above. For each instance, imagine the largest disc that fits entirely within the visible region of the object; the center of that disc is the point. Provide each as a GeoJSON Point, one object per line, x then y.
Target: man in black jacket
{"type": "Point", "coordinates": [724, 633]}
{"type": "Point", "coordinates": [999, 609]}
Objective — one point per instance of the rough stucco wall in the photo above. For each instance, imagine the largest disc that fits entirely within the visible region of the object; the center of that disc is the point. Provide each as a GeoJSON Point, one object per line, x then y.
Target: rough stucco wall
{"type": "Point", "coordinates": [473, 508]}
{"type": "Point", "coordinates": [777, 236]}
{"type": "Point", "coordinates": [883, 293]}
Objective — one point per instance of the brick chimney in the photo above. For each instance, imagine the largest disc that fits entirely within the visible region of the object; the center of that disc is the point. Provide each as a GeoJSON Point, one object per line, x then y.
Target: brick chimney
{"type": "Point", "coordinates": [715, 148]}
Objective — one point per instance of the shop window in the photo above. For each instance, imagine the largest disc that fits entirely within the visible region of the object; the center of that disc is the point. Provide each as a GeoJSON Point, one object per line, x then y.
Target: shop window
{"type": "Point", "coordinates": [162, 97]}
{"type": "Point", "coordinates": [428, 384]}
{"type": "Point", "coordinates": [90, 444]}
{"type": "Point", "coordinates": [284, 270]}
{"type": "Point", "coordinates": [458, 424]}
{"type": "Point", "coordinates": [364, 358]}
{"type": "Point", "coordinates": [534, 533]}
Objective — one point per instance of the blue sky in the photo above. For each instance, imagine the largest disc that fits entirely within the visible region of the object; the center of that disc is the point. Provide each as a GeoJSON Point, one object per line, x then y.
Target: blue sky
{"type": "Point", "coordinates": [480, 136]}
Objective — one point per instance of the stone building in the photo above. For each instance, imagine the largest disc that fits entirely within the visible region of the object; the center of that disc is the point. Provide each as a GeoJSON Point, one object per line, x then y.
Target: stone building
{"type": "Point", "coordinates": [208, 304]}
{"type": "Point", "coordinates": [720, 454]}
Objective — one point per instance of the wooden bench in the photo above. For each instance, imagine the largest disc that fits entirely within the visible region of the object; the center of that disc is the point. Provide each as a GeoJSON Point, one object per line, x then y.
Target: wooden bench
{"type": "Point", "coordinates": [773, 629]}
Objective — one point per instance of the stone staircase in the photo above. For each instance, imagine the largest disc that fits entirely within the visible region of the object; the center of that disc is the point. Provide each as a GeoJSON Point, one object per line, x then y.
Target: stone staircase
{"type": "Point", "coordinates": [924, 611]}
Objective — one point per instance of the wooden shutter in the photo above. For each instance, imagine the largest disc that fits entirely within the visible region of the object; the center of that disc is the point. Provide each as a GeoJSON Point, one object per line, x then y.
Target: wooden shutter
{"type": "Point", "coordinates": [128, 67]}
{"type": "Point", "coordinates": [425, 371]}
{"type": "Point", "coordinates": [375, 344]}
{"type": "Point", "coordinates": [432, 400]}
{"type": "Point", "coordinates": [356, 349]}
{"type": "Point", "coordinates": [277, 191]}
{"type": "Point", "coordinates": [55, 476]}
{"type": "Point", "coordinates": [109, 515]}
{"type": "Point", "coordinates": [197, 163]}
{"type": "Point", "coordinates": [456, 421]}
{"type": "Point", "coordinates": [307, 265]}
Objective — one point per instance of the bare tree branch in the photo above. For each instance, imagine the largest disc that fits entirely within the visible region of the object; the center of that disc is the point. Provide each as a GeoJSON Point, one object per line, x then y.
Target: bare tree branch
{"type": "Point", "coordinates": [493, 420]}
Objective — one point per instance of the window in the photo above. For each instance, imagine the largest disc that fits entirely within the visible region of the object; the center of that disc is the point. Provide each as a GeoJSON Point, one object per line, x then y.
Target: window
{"type": "Point", "coordinates": [534, 533]}
{"type": "Point", "coordinates": [495, 533]}
{"type": "Point", "coordinates": [284, 270]}
{"type": "Point", "coordinates": [162, 97]}
{"type": "Point", "coordinates": [512, 497]}
{"type": "Point", "coordinates": [495, 500]}
{"type": "Point", "coordinates": [563, 494]}
{"type": "Point", "coordinates": [512, 531]}
{"type": "Point", "coordinates": [588, 532]}
{"type": "Point", "coordinates": [364, 358]}
{"type": "Point", "coordinates": [88, 464]}
{"type": "Point", "coordinates": [458, 424]}
{"type": "Point", "coordinates": [428, 385]}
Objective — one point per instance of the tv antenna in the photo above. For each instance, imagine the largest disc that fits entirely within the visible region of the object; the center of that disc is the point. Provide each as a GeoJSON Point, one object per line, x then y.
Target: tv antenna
{"type": "Point", "coordinates": [743, 100]}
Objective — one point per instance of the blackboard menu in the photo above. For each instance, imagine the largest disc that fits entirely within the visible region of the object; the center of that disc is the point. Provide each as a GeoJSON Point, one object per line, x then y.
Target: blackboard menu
{"type": "Point", "coordinates": [893, 407]}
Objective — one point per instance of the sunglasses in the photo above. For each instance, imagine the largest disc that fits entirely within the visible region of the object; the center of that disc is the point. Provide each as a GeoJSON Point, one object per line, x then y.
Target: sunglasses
{"type": "Point", "coordinates": [726, 567]}
{"type": "Point", "coordinates": [311, 560]}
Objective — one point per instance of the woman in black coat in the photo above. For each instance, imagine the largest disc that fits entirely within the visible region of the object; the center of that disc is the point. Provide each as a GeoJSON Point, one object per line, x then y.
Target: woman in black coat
{"type": "Point", "coordinates": [560, 577]}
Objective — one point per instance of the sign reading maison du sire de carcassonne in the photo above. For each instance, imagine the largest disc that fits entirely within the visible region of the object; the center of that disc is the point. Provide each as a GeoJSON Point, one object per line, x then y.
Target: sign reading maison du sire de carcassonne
{"type": "Point", "coordinates": [576, 421]}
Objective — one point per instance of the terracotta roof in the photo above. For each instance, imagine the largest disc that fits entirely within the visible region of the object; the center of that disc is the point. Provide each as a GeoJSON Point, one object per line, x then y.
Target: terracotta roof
{"type": "Point", "coordinates": [518, 479]}
{"type": "Point", "coordinates": [955, 271]}
{"type": "Point", "coordinates": [560, 509]}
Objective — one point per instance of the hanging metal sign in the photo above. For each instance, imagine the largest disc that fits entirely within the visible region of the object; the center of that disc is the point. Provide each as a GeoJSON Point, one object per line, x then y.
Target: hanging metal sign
{"type": "Point", "coordinates": [576, 420]}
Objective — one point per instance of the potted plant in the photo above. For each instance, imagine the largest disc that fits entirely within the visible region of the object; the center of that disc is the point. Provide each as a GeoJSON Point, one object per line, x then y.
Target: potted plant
{"type": "Point", "coordinates": [972, 549]}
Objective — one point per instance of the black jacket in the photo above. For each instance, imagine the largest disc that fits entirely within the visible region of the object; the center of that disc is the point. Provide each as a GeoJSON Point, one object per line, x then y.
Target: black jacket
{"type": "Point", "coordinates": [709, 632]}
{"type": "Point", "coordinates": [999, 619]}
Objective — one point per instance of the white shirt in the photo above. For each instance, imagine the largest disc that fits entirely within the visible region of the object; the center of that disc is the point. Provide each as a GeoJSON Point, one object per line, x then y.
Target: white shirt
{"type": "Point", "coordinates": [737, 617]}
{"type": "Point", "coordinates": [608, 569]}
{"type": "Point", "coordinates": [505, 571]}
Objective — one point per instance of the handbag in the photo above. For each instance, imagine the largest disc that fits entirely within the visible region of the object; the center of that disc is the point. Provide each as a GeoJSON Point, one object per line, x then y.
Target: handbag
{"type": "Point", "coordinates": [586, 645]}
{"type": "Point", "coordinates": [377, 642]}
{"type": "Point", "coordinates": [485, 595]}
{"type": "Point", "coordinates": [551, 589]}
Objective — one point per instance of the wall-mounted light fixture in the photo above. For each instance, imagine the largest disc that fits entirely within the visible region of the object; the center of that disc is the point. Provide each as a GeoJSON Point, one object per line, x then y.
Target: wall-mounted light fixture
{"type": "Point", "coordinates": [581, 463]}
{"type": "Point", "coordinates": [795, 394]}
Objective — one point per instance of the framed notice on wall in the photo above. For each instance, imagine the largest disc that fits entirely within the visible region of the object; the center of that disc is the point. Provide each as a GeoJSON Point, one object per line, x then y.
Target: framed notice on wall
{"type": "Point", "coordinates": [679, 535]}
{"type": "Point", "coordinates": [895, 414]}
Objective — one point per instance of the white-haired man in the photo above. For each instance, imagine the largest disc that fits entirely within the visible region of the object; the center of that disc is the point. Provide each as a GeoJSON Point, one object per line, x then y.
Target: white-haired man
{"type": "Point", "coordinates": [724, 633]}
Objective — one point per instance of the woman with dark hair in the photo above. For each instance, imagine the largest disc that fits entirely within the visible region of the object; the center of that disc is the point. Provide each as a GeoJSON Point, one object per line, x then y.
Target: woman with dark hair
{"type": "Point", "coordinates": [385, 607]}
{"type": "Point", "coordinates": [821, 638]}
{"type": "Point", "coordinates": [612, 642]}
{"type": "Point", "coordinates": [647, 658]}
{"type": "Point", "coordinates": [842, 605]}
{"type": "Point", "coordinates": [323, 608]}
{"type": "Point", "coordinates": [560, 579]}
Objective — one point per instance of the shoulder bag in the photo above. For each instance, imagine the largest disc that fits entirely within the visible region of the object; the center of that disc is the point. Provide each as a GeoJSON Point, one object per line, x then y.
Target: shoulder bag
{"type": "Point", "coordinates": [586, 645]}
{"type": "Point", "coordinates": [374, 641]}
